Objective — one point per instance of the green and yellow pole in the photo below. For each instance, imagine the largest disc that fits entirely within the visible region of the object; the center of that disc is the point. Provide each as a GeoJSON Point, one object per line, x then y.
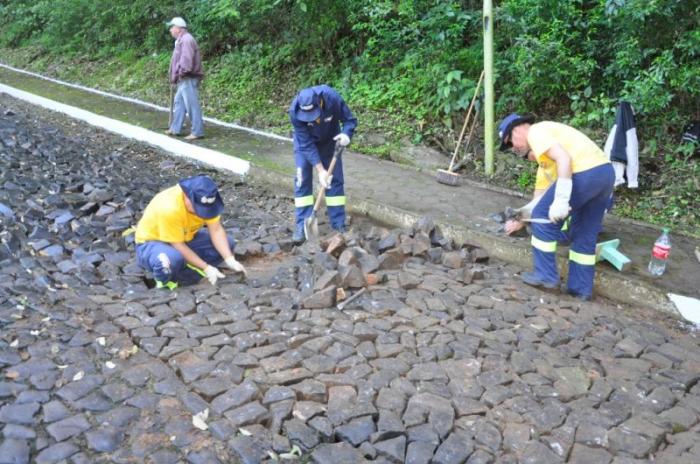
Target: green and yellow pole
{"type": "Point", "coordinates": [488, 87]}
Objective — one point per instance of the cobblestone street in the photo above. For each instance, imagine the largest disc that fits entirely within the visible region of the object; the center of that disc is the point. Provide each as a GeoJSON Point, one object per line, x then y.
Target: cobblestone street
{"type": "Point", "coordinates": [444, 357]}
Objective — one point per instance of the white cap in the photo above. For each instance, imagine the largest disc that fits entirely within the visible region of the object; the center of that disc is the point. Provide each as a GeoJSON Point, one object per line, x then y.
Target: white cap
{"type": "Point", "coordinates": [178, 21]}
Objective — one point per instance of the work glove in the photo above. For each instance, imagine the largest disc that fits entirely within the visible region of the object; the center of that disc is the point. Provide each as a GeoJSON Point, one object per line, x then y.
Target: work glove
{"type": "Point", "coordinates": [342, 139]}
{"type": "Point", "coordinates": [212, 274]}
{"type": "Point", "coordinates": [235, 266]}
{"type": "Point", "coordinates": [325, 179]}
{"type": "Point", "coordinates": [559, 209]}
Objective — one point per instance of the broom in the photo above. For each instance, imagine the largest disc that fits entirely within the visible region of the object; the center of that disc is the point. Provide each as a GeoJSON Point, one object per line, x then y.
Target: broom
{"type": "Point", "coordinates": [459, 165]}
{"type": "Point", "coordinates": [448, 177]}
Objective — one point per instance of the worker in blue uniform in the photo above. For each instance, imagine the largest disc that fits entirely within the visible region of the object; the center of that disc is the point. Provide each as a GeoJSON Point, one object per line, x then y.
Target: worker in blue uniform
{"type": "Point", "coordinates": [320, 118]}
{"type": "Point", "coordinates": [573, 188]}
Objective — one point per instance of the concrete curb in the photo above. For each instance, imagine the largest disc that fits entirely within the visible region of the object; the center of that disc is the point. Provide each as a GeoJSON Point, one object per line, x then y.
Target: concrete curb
{"type": "Point", "coordinates": [173, 146]}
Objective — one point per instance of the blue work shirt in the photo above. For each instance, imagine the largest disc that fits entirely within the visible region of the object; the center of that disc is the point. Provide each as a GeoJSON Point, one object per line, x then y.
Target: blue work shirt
{"type": "Point", "coordinates": [315, 139]}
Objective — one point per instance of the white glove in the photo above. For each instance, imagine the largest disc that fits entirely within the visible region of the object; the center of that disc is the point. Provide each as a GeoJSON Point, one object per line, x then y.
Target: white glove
{"type": "Point", "coordinates": [342, 139]}
{"type": "Point", "coordinates": [559, 209]}
{"type": "Point", "coordinates": [526, 211]}
{"type": "Point", "coordinates": [213, 274]}
{"type": "Point", "coordinates": [235, 266]}
{"type": "Point", "coordinates": [325, 179]}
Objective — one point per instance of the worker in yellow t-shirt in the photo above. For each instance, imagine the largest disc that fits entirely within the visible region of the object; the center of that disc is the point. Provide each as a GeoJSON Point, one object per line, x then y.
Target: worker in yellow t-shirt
{"type": "Point", "coordinates": [574, 179]}
{"type": "Point", "coordinates": [170, 241]}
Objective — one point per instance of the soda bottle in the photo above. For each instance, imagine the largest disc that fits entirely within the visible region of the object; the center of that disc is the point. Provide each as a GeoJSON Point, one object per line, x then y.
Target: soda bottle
{"type": "Point", "coordinates": [659, 254]}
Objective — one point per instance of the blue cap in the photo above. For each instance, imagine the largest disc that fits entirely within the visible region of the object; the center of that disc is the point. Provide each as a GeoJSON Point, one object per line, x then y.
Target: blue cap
{"type": "Point", "coordinates": [204, 196]}
{"type": "Point", "coordinates": [509, 122]}
{"type": "Point", "coordinates": [308, 107]}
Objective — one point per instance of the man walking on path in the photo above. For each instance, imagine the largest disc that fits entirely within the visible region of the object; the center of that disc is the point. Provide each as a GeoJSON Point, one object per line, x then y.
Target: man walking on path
{"type": "Point", "coordinates": [169, 242]}
{"type": "Point", "coordinates": [316, 114]}
{"type": "Point", "coordinates": [186, 73]}
{"type": "Point", "coordinates": [574, 180]}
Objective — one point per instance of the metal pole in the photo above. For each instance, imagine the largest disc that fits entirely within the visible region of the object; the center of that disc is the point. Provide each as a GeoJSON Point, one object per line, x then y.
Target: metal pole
{"type": "Point", "coordinates": [488, 87]}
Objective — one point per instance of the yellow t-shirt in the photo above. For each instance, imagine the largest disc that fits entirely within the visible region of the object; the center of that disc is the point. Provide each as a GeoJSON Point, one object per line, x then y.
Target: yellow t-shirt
{"type": "Point", "coordinates": [165, 219]}
{"type": "Point", "coordinates": [584, 153]}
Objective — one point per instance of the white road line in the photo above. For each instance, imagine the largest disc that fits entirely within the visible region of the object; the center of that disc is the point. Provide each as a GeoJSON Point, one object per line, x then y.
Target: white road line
{"type": "Point", "coordinates": [176, 147]}
{"type": "Point", "coordinates": [136, 101]}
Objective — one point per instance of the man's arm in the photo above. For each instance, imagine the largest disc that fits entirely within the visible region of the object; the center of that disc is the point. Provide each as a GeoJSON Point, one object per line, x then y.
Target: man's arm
{"type": "Point", "coordinates": [186, 61]}
{"type": "Point", "coordinates": [559, 155]}
{"type": "Point", "coordinates": [348, 119]}
{"type": "Point", "coordinates": [219, 239]}
{"type": "Point", "coordinates": [559, 209]}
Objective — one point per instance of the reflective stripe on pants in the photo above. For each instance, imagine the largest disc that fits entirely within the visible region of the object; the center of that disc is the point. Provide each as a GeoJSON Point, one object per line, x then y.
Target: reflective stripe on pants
{"type": "Point", "coordinates": [302, 202]}
{"type": "Point", "coordinates": [547, 247]}
{"type": "Point", "coordinates": [335, 201]}
{"type": "Point", "coordinates": [581, 258]}
{"type": "Point", "coordinates": [589, 198]}
{"type": "Point", "coordinates": [303, 190]}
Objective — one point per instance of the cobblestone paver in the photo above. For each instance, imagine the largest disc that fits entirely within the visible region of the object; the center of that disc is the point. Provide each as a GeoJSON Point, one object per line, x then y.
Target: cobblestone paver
{"type": "Point", "coordinates": [444, 358]}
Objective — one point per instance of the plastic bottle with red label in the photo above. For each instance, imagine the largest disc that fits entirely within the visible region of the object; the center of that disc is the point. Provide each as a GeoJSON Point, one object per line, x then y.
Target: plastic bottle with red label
{"type": "Point", "coordinates": [659, 254]}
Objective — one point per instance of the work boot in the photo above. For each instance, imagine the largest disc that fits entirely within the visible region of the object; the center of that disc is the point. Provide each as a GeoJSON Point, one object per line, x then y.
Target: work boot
{"type": "Point", "coordinates": [531, 279]}
{"type": "Point", "coordinates": [564, 289]}
{"type": "Point", "coordinates": [298, 237]}
{"type": "Point", "coordinates": [340, 230]}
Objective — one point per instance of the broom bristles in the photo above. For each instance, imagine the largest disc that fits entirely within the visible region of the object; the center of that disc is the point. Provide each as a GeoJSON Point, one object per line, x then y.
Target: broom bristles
{"type": "Point", "coordinates": [446, 177]}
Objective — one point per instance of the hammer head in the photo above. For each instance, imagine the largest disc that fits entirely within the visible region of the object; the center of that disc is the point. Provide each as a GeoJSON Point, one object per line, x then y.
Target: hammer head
{"type": "Point", "coordinates": [506, 215]}
{"type": "Point", "coordinates": [511, 213]}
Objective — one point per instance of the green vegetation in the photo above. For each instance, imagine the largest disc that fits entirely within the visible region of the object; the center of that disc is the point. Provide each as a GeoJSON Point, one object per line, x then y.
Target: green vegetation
{"type": "Point", "coordinates": [407, 67]}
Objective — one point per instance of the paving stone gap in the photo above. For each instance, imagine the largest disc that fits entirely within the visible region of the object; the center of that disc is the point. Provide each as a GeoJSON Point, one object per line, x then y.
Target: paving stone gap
{"type": "Point", "coordinates": [443, 355]}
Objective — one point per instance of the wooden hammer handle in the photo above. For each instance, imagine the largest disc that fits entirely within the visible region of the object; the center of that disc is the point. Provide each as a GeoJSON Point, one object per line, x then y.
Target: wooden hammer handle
{"type": "Point", "coordinates": [351, 299]}
{"type": "Point", "coordinates": [322, 193]}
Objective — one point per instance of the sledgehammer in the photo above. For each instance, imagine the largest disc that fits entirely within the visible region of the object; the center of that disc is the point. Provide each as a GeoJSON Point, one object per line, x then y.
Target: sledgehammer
{"type": "Point", "coordinates": [516, 215]}
{"type": "Point", "coordinates": [311, 223]}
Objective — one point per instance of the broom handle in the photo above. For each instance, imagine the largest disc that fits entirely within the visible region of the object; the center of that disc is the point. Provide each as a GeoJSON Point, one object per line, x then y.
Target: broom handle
{"type": "Point", "coordinates": [471, 130]}
{"type": "Point", "coordinates": [322, 193]}
{"type": "Point", "coordinates": [466, 121]}
{"type": "Point", "coordinates": [462, 162]}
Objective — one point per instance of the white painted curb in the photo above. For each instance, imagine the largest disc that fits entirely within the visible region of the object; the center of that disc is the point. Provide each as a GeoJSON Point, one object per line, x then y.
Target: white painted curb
{"type": "Point", "coordinates": [176, 147]}
{"type": "Point", "coordinates": [136, 101]}
{"type": "Point", "coordinates": [688, 307]}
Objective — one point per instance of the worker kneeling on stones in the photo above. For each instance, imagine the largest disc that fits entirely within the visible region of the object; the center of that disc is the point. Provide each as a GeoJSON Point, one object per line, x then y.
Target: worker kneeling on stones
{"type": "Point", "coordinates": [170, 241]}
{"type": "Point", "coordinates": [316, 114]}
{"type": "Point", "coordinates": [573, 188]}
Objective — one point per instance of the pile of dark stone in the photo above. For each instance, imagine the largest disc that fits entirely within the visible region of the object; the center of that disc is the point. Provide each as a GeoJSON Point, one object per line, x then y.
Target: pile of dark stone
{"type": "Point", "coordinates": [367, 256]}
{"type": "Point", "coordinates": [438, 354]}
